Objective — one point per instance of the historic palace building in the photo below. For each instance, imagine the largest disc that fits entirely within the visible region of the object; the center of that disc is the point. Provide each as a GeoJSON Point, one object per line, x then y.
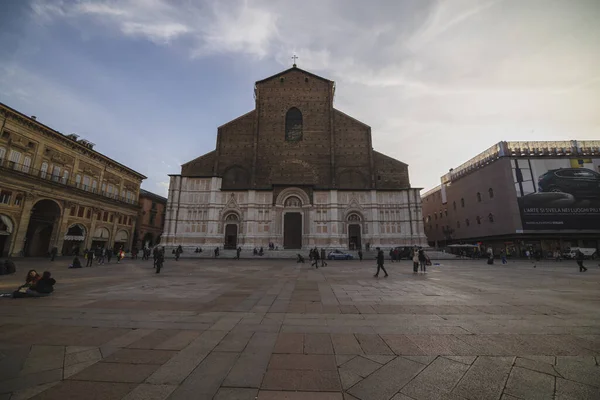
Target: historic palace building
{"type": "Point", "coordinates": [294, 172]}
{"type": "Point", "coordinates": [151, 219]}
{"type": "Point", "coordinates": [56, 191]}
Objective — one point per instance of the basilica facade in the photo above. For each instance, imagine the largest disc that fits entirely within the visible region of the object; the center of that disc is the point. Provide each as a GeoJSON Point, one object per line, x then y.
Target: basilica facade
{"type": "Point", "coordinates": [294, 172]}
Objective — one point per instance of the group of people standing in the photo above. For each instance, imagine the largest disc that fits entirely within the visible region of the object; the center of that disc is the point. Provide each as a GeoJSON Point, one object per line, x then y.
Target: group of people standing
{"type": "Point", "coordinates": [315, 255]}
{"type": "Point", "coordinates": [100, 254]}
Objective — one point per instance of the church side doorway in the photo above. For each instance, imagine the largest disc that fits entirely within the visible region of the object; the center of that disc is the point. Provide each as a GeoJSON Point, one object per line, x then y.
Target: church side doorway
{"type": "Point", "coordinates": [354, 237]}
{"type": "Point", "coordinates": [230, 236]}
{"type": "Point", "coordinates": [292, 230]}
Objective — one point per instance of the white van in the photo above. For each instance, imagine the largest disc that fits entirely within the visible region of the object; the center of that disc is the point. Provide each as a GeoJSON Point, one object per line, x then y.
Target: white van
{"type": "Point", "coordinates": [588, 252]}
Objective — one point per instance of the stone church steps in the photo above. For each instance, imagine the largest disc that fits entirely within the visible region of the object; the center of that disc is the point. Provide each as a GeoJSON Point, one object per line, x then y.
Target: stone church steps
{"type": "Point", "coordinates": [189, 253]}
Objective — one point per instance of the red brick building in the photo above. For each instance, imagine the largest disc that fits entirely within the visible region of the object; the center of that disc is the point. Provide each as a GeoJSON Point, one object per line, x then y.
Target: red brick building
{"type": "Point", "coordinates": [151, 219]}
{"type": "Point", "coordinates": [295, 172]}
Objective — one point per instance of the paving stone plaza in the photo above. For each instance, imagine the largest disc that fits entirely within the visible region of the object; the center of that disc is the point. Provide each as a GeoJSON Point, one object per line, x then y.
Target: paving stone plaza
{"type": "Point", "coordinates": [276, 330]}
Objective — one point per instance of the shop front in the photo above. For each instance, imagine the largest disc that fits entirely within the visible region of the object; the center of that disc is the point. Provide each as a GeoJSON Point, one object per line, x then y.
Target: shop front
{"type": "Point", "coordinates": [74, 240]}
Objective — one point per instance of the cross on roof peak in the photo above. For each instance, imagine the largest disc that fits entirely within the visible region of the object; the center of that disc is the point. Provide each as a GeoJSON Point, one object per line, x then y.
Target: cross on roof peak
{"type": "Point", "coordinates": [294, 57]}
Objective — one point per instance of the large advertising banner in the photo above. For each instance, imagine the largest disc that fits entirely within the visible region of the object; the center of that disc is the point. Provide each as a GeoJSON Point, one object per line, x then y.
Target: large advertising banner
{"type": "Point", "coordinates": [558, 193]}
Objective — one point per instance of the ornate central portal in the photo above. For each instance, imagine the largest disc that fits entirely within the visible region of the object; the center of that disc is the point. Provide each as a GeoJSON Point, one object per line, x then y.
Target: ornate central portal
{"type": "Point", "coordinates": [292, 230]}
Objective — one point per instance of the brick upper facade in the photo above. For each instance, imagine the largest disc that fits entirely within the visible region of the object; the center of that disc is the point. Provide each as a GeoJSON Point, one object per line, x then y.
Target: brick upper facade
{"type": "Point", "coordinates": [334, 152]}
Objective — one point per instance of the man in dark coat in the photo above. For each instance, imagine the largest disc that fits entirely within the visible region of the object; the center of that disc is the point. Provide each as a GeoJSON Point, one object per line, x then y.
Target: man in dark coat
{"type": "Point", "coordinates": [323, 263]}
{"type": "Point", "coordinates": [315, 258]}
{"type": "Point", "coordinates": [580, 257]}
{"type": "Point", "coordinates": [90, 257]}
{"type": "Point", "coordinates": [380, 258]}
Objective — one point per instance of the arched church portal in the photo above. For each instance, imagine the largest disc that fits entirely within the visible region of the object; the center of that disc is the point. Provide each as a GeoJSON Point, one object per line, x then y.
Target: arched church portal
{"type": "Point", "coordinates": [292, 223]}
{"type": "Point", "coordinates": [354, 232]}
{"type": "Point", "coordinates": [231, 231]}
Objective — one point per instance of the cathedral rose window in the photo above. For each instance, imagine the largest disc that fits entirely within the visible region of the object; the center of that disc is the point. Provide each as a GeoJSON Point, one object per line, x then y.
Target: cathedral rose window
{"type": "Point", "coordinates": [293, 125]}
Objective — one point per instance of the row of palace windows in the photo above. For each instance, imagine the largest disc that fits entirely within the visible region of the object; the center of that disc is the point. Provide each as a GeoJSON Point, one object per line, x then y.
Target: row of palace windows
{"type": "Point", "coordinates": [6, 198]}
{"type": "Point", "coordinates": [86, 212]}
{"type": "Point", "coordinates": [61, 175]}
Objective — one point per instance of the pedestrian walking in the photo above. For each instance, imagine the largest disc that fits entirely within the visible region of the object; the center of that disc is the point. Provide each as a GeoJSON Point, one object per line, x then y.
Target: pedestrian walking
{"type": "Point", "coordinates": [380, 258]}
{"type": "Point", "coordinates": [53, 253]}
{"type": "Point", "coordinates": [415, 259]}
{"type": "Point", "coordinates": [155, 255]}
{"type": "Point", "coordinates": [237, 253]}
{"type": "Point", "coordinates": [323, 262]}
{"type": "Point", "coordinates": [580, 257]}
{"type": "Point", "coordinates": [178, 252]}
{"type": "Point", "coordinates": [160, 259]}
{"type": "Point", "coordinates": [392, 255]}
{"type": "Point", "coordinates": [490, 254]}
{"type": "Point", "coordinates": [503, 256]}
{"type": "Point", "coordinates": [216, 251]}
{"type": "Point", "coordinates": [102, 255]}
{"type": "Point", "coordinates": [90, 257]}
{"type": "Point", "coordinates": [423, 260]}
{"type": "Point", "coordinates": [360, 255]}
{"type": "Point", "coordinates": [315, 258]}
{"type": "Point", "coordinates": [109, 254]}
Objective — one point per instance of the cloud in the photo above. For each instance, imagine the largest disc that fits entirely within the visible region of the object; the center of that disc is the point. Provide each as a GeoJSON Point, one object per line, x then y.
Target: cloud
{"type": "Point", "coordinates": [434, 77]}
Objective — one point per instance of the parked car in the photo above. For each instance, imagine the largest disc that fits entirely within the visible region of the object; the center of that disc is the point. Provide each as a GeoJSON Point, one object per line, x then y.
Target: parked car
{"type": "Point", "coordinates": [580, 182]}
{"type": "Point", "coordinates": [339, 255]}
{"type": "Point", "coordinates": [588, 252]}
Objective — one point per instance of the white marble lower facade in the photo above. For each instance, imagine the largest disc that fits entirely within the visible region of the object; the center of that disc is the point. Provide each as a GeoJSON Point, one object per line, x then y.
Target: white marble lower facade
{"type": "Point", "coordinates": [199, 214]}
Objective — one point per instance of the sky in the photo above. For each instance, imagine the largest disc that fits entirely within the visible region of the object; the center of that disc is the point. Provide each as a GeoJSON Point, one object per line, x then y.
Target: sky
{"type": "Point", "coordinates": [438, 81]}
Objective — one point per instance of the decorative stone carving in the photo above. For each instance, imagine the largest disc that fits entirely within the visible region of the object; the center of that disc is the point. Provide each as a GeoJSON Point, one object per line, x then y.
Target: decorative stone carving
{"type": "Point", "coordinates": [292, 202]}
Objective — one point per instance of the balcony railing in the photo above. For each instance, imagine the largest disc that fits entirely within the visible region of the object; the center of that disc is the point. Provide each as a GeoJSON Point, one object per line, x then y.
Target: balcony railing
{"type": "Point", "coordinates": [6, 165]}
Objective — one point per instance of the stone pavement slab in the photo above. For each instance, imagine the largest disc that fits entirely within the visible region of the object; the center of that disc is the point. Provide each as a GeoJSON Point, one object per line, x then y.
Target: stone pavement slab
{"type": "Point", "coordinates": [485, 379]}
{"type": "Point", "coordinates": [86, 390]}
{"type": "Point", "coordinates": [205, 381]}
{"type": "Point", "coordinates": [528, 384]}
{"type": "Point", "coordinates": [441, 376]}
{"type": "Point", "coordinates": [388, 380]}
{"type": "Point", "coordinates": [236, 394]}
{"type": "Point", "coordinates": [113, 372]}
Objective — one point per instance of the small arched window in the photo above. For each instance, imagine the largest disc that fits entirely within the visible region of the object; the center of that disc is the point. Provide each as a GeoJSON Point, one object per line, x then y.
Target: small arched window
{"type": "Point", "coordinates": [478, 220]}
{"type": "Point", "coordinates": [293, 125]}
{"type": "Point", "coordinates": [454, 205]}
{"type": "Point", "coordinates": [467, 222]}
{"type": "Point", "coordinates": [462, 203]}
{"type": "Point", "coordinates": [491, 217]}
{"type": "Point", "coordinates": [491, 193]}
{"type": "Point", "coordinates": [478, 197]}
{"type": "Point", "coordinates": [435, 216]}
